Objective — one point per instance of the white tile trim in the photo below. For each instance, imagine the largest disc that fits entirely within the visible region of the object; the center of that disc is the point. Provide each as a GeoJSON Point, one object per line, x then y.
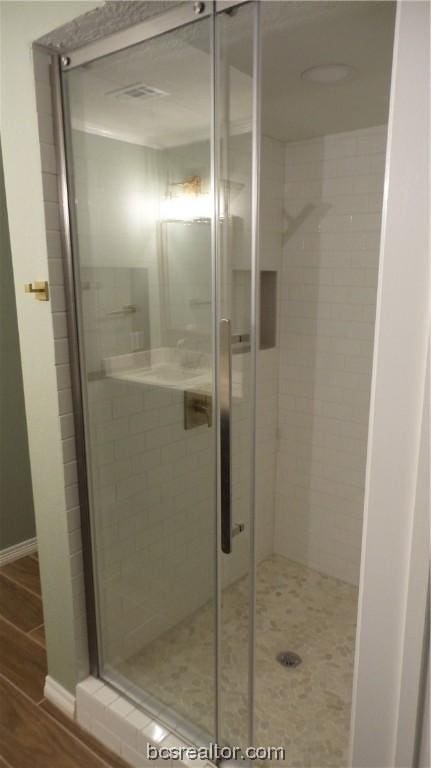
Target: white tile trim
{"type": "Point", "coordinates": [59, 696]}
{"type": "Point", "coordinates": [10, 554]}
{"type": "Point", "coordinates": [122, 727]}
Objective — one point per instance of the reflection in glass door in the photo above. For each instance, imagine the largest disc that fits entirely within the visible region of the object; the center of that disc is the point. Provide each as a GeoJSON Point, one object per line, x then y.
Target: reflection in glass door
{"type": "Point", "coordinates": [163, 281]}
{"type": "Point", "coordinates": [140, 161]}
{"type": "Point", "coordinates": [235, 136]}
{"type": "Point", "coordinates": [165, 157]}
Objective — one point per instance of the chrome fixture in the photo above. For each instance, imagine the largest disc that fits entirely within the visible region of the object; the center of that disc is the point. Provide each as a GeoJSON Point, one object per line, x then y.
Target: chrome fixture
{"type": "Point", "coordinates": [225, 400]}
{"type": "Point", "coordinates": [197, 410]}
{"type": "Point", "coordinates": [241, 338]}
{"type": "Point", "coordinates": [199, 303]}
{"type": "Point", "coordinates": [289, 659]}
{"type": "Point", "coordinates": [237, 528]}
{"type": "Point", "coordinates": [189, 358]}
{"type": "Point", "coordinates": [199, 8]}
{"type": "Point", "coordinates": [128, 309]}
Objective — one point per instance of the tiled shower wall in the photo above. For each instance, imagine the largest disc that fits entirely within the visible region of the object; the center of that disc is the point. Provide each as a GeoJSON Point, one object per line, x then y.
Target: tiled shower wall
{"type": "Point", "coordinates": [267, 380]}
{"type": "Point", "coordinates": [154, 500]}
{"type": "Point", "coordinates": [314, 388]}
{"type": "Point", "coordinates": [333, 203]}
{"type": "Point", "coordinates": [145, 418]}
{"type": "Point", "coordinates": [59, 319]}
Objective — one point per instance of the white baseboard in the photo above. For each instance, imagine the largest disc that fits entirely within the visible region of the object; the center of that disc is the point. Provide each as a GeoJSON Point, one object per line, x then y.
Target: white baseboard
{"type": "Point", "coordinates": [17, 551]}
{"type": "Point", "coordinates": [57, 695]}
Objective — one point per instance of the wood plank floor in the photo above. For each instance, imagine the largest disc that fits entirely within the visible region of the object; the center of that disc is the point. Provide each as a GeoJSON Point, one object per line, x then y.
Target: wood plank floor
{"type": "Point", "coordinates": [25, 572]}
{"type": "Point", "coordinates": [33, 733]}
{"type": "Point", "coordinates": [20, 606]}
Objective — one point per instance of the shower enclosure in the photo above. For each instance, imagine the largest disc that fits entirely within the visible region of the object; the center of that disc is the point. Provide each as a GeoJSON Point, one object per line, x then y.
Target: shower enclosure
{"type": "Point", "coordinates": [180, 214]}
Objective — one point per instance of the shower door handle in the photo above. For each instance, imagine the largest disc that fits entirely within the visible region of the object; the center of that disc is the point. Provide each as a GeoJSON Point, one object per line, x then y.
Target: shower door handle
{"type": "Point", "coordinates": [225, 401]}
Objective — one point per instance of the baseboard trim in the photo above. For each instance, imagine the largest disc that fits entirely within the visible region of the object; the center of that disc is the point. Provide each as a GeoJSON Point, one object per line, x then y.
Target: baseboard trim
{"type": "Point", "coordinates": [57, 695]}
{"type": "Point", "coordinates": [18, 550]}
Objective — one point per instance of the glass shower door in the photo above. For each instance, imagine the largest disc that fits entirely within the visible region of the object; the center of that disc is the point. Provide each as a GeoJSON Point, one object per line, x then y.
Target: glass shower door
{"type": "Point", "coordinates": [139, 156]}
{"type": "Point", "coordinates": [235, 135]}
{"type": "Point", "coordinates": [160, 146]}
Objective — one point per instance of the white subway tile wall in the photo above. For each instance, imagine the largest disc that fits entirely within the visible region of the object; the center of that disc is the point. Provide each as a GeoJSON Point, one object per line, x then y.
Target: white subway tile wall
{"type": "Point", "coordinates": [154, 483]}
{"type": "Point", "coordinates": [126, 730]}
{"type": "Point", "coordinates": [333, 203]}
{"type": "Point", "coordinates": [154, 500]}
{"type": "Point", "coordinates": [267, 379]}
{"type": "Point", "coordinates": [58, 308]}
{"type": "Point", "coordinates": [320, 227]}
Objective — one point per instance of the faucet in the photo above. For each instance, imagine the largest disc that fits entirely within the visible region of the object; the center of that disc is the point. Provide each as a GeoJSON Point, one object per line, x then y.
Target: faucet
{"type": "Point", "coordinates": [188, 358]}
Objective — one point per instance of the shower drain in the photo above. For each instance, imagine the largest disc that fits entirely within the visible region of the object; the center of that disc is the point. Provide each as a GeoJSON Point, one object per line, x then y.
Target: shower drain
{"type": "Point", "coordinates": [288, 659]}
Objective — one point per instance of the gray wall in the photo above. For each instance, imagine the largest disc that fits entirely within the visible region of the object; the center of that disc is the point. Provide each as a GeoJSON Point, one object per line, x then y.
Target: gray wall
{"type": "Point", "coordinates": [16, 498]}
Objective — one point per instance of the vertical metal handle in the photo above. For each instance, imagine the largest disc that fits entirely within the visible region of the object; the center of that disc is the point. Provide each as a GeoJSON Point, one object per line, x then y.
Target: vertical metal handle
{"type": "Point", "coordinates": [225, 400]}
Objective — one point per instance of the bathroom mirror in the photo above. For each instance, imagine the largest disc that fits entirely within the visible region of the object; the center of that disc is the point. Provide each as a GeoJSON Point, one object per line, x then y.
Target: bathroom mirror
{"type": "Point", "coordinates": [186, 275]}
{"type": "Point", "coordinates": [185, 281]}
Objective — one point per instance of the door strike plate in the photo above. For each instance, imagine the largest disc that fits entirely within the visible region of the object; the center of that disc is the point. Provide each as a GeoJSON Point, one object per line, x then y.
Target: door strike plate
{"type": "Point", "coordinates": [39, 288]}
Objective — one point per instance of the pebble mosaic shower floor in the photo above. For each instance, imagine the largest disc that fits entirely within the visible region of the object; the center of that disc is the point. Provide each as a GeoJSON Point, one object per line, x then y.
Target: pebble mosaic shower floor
{"type": "Point", "coordinates": [306, 708]}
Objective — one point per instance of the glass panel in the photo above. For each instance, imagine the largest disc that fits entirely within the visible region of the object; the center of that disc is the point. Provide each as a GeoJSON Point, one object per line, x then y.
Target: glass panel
{"type": "Point", "coordinates": [140, 159]}
{"type": "Point", "coordinates": [322, 173]}
{"type": "Point", "coordinates": [235, 136]}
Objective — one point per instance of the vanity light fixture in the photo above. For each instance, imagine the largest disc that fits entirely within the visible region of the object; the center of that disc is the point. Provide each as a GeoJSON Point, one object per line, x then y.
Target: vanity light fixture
{"type": "Point", "coordinates": [185, 202]}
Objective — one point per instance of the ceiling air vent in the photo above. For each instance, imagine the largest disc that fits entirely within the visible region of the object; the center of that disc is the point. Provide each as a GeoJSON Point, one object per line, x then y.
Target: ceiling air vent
{"type": "Point", "coordinates": [136, 91]}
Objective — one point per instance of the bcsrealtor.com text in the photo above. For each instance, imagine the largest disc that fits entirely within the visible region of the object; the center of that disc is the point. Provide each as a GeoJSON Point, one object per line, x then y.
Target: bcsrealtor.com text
{"type": "Point", "coordinates": [214, 752]}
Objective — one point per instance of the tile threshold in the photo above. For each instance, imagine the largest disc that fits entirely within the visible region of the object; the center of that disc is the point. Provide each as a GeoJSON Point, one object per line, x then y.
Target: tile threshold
{"type": "Point", "coordinates": [124, 728]}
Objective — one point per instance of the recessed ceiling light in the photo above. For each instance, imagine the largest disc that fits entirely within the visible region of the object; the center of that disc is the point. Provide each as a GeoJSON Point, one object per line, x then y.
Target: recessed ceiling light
{"type": "Point", "coordinates": [329, 74]}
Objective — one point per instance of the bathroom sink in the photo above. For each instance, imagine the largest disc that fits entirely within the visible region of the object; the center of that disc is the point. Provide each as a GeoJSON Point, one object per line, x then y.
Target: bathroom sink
{"type": "Point", "coordinates": [172, 369]}
{"type": "Point", "coordinates": [161, 367]}
{"type": "Point", "coordinates": [166, 374]}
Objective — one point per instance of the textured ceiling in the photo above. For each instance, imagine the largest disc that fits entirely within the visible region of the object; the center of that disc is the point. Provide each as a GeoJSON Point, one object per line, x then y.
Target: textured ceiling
{"type": "Point", "coordinates": [296, 36]}
{"type": "Point", "coordinates": [111, 17]}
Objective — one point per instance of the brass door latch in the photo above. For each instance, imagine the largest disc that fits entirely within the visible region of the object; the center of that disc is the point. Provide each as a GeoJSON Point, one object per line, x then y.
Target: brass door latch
{"type": "Point", "coordinates": [39, 288]}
